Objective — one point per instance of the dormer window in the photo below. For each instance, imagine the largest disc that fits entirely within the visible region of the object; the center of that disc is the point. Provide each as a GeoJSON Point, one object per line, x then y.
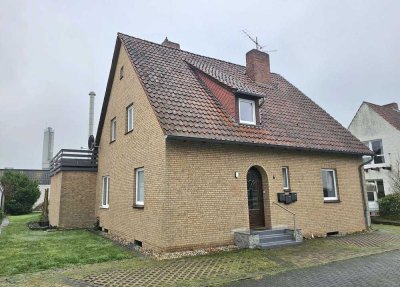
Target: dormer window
{"type": "Point", "coordinates": [247, 112]}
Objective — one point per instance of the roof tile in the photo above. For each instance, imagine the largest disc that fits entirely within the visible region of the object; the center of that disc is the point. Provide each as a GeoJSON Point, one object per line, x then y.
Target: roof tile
{"type": "Point", "coordinates": [186, 108]}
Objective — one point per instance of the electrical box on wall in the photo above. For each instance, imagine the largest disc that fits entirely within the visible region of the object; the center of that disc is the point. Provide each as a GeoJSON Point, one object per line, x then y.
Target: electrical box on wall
{"type": "Point", "coordinates": [287, 198]}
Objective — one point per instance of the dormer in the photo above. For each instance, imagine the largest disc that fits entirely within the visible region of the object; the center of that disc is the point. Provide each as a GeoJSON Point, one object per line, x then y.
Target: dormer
{"type": "Point", "coordinates": [248, 108]}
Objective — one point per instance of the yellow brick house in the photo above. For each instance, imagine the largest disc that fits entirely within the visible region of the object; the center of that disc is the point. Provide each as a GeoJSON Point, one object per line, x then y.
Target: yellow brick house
{"type": "Point", "coordinates": [192, 151]}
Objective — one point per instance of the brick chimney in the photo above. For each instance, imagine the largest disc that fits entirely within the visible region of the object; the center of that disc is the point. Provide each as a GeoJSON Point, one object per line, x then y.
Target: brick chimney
{"type": "Point", "coordinates": [392, 105]}
{"type": "Point", "coordinates": [170, 44]}
{"type": "Point", "coordinates": [257, 66]}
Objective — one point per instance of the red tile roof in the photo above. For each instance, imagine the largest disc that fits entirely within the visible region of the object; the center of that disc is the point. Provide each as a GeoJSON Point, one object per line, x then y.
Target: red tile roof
{"type": "Point", "coordinates": [188, 105]}
{"type": "Point", "coordinates": [391, 115]}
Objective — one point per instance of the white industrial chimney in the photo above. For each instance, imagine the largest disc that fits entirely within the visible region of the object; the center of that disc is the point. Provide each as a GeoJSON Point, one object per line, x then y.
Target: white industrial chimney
{"type": "Point", "coordinates": [91, 112]}
{"type": "Point", "coordinates": [48, 145]}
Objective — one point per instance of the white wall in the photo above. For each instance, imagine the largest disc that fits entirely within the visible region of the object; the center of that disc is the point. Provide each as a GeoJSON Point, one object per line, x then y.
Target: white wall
{"type": "Point", "coordinates": [368, 125]}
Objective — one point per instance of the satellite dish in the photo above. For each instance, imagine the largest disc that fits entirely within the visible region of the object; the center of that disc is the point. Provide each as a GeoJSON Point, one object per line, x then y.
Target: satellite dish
{"type": "Point", "coordinates": [91, 142]}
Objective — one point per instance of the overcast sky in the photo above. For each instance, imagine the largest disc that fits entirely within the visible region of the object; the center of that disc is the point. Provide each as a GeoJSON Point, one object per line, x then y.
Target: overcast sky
{"type": "Point", "coordinates": [53, 53]}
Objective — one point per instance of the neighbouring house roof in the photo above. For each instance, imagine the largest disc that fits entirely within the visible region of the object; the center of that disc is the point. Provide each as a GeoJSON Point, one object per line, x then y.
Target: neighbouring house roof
{"type": "Point", "coordinates": [390, 114]}
{"type": "Point", "coordinates": [188, 105]}
{"type": "Point", "coordinates": [41, 176]}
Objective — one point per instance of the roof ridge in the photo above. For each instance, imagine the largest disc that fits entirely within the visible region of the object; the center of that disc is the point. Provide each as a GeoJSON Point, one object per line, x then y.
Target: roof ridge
{"type": "Point", "coordinates": [184, 51]}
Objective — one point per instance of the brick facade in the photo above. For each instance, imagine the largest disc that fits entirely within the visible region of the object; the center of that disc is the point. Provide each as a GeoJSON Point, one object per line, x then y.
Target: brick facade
{"type": "Point", "coordinates": [71, 203]}
{"type": "Point", "coordinates": [192, 198]}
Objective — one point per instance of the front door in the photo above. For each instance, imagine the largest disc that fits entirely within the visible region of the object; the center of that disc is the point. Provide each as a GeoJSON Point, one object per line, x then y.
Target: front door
{"type": "Point", "coordinates": [255, 198]}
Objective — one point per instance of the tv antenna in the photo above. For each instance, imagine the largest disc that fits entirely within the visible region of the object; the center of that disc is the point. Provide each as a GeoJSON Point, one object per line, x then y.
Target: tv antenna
{"type": "Point", "coordinates": [255, 41]}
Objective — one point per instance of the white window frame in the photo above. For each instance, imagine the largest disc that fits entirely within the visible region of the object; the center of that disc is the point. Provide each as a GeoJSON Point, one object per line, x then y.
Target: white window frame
{"type": "Point", "coordinates": [139, 203]}
{"type": "Point", "coordinates": [369, 144]}
{"type": "Point", "coordinates": [105, 204]}
{"type": "Point", "coordinates": [254, 112]}
{"type": "Point", "coordinates": [285, 175]}
{"type": "Point", "coordinates": [129, 118]}
{"type": "Point", "coordinates": [332, 198]}
{"type": "Point", "coordinates": [113, 129]}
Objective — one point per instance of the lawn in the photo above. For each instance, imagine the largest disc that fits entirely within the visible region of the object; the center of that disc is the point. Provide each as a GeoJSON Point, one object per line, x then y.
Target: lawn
{"type": "Point", "coordinates": [23, 250]}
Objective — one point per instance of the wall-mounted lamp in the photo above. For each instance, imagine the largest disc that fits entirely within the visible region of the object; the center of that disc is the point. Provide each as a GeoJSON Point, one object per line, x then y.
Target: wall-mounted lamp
{"type": "Point", "coordinates": [236, 174]}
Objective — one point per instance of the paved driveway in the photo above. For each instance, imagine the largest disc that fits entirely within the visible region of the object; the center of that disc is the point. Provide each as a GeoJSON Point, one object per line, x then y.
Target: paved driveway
{"type": "Point", "coordinates": [381, 270]}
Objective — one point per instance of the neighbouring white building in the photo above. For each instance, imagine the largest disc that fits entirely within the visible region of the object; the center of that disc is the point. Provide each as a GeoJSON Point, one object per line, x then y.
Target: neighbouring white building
{"type": "Point", "coordinates": [379, 128]}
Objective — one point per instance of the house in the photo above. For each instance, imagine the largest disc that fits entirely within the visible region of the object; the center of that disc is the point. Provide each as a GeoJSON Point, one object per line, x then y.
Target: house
{"type": "Point", "coordinates": [41, 176]}
{"type": "Point", "coordinates": [191, 150]}
{"type": "Point", "coordinates": [378, 127]}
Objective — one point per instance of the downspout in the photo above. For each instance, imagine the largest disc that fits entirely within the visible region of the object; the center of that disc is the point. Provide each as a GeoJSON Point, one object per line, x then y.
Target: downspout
{"type": "Point", "coordinates": [365, 203]}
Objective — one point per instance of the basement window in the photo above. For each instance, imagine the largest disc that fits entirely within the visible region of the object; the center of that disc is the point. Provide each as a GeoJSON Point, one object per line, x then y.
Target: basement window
{"type": "Point", "coordinates": [247, 112]}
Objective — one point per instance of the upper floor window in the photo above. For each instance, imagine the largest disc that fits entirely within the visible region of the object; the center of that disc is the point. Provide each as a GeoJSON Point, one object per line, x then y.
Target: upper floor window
{"type": "Point", "coordinates": [113, 129]}
{"type": "Point", "coordinates": [105, 190]}
{"type": "Point", "coordinates": [129, 118]}
{"type": "Point", "coordinates": [377, 147]}
{"type": "Point", "coordinates": [285, 174]}
{"type": "Point", "coordinates": [121, 72]}
{"type": "Point", "coordinates": [247, 112]}
{"type": "Point", "coordinates": [329, 184]}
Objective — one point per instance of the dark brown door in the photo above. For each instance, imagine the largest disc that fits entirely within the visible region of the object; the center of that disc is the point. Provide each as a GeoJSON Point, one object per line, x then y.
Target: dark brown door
{"type": "Point", "coordinates": [255, 198]}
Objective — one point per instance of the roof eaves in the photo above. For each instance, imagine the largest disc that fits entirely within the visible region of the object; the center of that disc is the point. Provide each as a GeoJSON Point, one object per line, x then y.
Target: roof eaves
{"type": "Point", "coordinates": [210, 140]}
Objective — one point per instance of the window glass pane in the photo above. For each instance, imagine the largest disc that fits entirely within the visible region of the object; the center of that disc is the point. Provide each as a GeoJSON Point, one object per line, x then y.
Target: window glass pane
{"type": "Point", "coordinates": [130, 118]}
{"type": "Point", "coordinates": [246, 111]}
{"type": "Point", "coordinates": [371, 186]}
{"type": "Point", "coordinates": [113, 129]}
{"type": "Point", "coordinates": [377, 147]}
{"type": "Point", "coordinates": [381, 188]}
{"type": "Point", "coordinates": [285, 174]}
{"type": "Point", "coordinates": [140, 186]}
{"type": "Point", "coordinates": [253, 195]}
{"type": "Point", "coordinates": [104, 191]}
{"type": "Point", "coordinates": [370, 195]}
{"type": "Point", "coordinates": [328, 183]}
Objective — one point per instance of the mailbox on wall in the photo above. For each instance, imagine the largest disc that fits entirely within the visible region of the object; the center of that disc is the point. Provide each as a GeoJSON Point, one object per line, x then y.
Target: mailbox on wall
{"type": "Point", "coordinates": [287, 198]}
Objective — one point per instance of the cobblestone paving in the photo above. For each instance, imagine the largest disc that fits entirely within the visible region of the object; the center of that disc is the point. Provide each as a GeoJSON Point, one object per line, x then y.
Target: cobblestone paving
{"type": "Point", "coordinates": [178, 271]}
{"type": "Point", "coordinates": [170, 273]}
{"type": "Point", "coordinates": [377, 239]}
{"type": "Point", "coordinates": [370, 271]}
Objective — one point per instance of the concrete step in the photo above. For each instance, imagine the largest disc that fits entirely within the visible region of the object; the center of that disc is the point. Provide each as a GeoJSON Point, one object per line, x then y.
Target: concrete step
{"type": "Point", "coordinates": [276, 237]}
{"type": "Point", "coordinates": [277, 244]}
{"type": "Point", "coordinates": [270, 231]}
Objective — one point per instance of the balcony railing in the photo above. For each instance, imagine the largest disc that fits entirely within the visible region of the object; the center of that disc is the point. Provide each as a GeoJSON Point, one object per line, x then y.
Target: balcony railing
{"type": "Point", "coordinates": [73, 160]}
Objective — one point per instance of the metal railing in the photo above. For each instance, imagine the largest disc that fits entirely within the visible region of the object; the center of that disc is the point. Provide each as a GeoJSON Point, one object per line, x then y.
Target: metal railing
{"type": "Point", "coordinates": [73, 160]}
{"type": "Point", "coordinates": [291, 212]}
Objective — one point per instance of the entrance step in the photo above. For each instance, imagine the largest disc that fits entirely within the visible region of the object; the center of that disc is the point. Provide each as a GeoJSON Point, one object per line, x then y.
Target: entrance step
{"type": "Point", "coordinates": [266, 238]}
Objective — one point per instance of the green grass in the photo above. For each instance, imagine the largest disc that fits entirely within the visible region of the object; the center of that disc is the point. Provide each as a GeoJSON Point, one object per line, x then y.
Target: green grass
{"type": "Point", "coordinates": [23, 250]}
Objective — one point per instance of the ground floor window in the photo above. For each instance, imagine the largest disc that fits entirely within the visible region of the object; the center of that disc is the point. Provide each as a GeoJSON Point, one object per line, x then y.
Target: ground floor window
{"type": "Point", "coordinates": [329, 184]}
{"type": "Point", "coordinates": [105, 190]}
{"type": "Point", "coordinates": [140, 186]}
{"type": "Point", "coordinates": [375, 187]}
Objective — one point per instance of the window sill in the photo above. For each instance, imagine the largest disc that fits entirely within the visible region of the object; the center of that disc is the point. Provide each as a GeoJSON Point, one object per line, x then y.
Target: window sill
{"type": "Point", "coordinates": [247, 123]}
{"type": "Point", "coordinates": [138, 206]}
{"type": "Point", "coordinates": [105, 207]}
{"type": "Point", "coordinates": [128, 132]}
{"type": "Point", "coordinates": [331, 201]}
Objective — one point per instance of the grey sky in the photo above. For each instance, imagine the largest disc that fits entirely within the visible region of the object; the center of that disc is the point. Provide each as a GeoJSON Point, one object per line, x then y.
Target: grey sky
{"type": "Point", "coordinates": [53, 53]}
